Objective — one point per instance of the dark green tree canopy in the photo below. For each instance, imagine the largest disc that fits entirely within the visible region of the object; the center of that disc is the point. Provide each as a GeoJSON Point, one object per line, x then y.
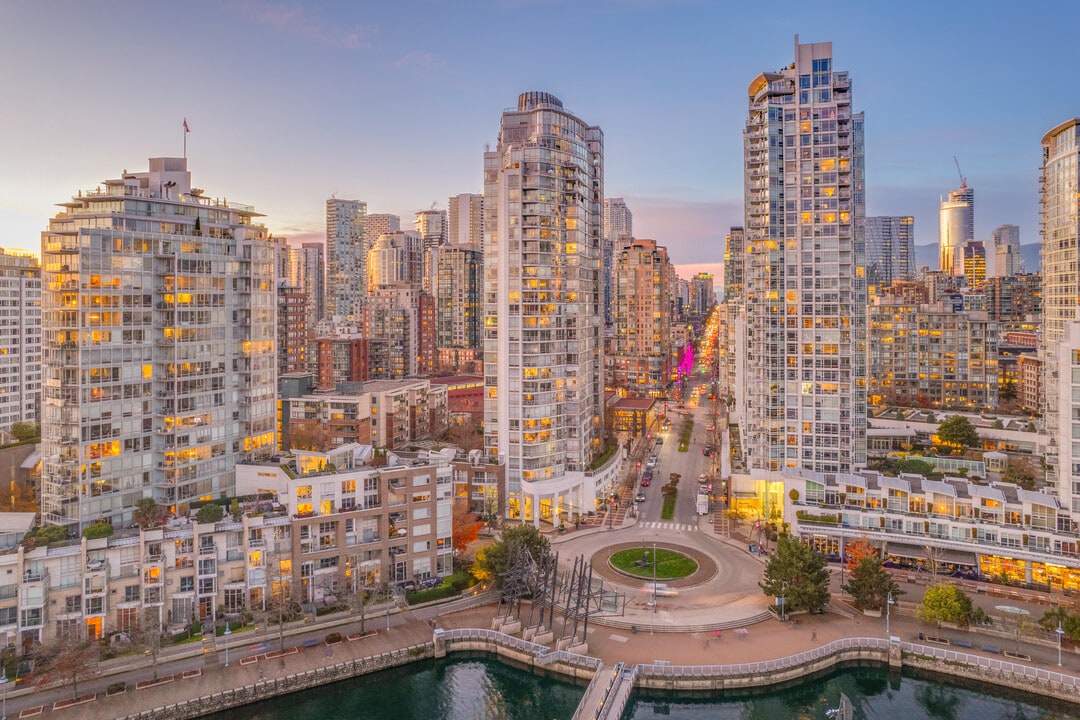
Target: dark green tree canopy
{"type": "Point", "coordinates": [803, 569]}
{"type": "Point", "coordinates": [210, 513]}
{"type": "Point", "coordinates": [958, 430]}
{"type": "Point", "coordinates": [495, 557]}
{"type": "Point", "coordinates": [869, 584]}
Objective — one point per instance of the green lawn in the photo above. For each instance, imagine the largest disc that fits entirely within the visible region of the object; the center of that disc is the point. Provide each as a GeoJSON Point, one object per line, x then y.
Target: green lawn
{"type": "Point", "coordinates": [667, 512]}
{"type": "Point", "coordinates": [670, 565]}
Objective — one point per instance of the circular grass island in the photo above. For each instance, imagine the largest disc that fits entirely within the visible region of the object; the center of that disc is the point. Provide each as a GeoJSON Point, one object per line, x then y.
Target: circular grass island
{"type": "Point", "coordinates": [670, 564]}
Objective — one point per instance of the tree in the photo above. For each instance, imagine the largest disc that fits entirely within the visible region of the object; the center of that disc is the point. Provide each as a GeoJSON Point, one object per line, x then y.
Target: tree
{"type": "Point", "coordinates": [98, 530]}
{"type": "Point", "coordinates": [148, 514]}
{"type": "Point", "coordinates": [855, 551]}
{"type": "Point", "coordinates": [1020, 472]}
{"type": "Point", "coordinates": [944, 602]}
{"type": "Point", "coordinates": [958, 432]}
{"type": "Point", "coordinates": [147, 635]}
{"type": "Point", "coordinates": [308, 435]}
{"type": "Point", "coordinates": [466, 432]}
{"type": "Point", "coordinates": [869, 585]}
{"type": "Point", "coordinates": [75, 660]}
{"type": "Point", "coordinates": [23, 431]}
{"type": "Point", "coordinates": [914, 465]}
{"type": "Point", "coordinates": [44, 535]}
{"type": "Point", "coordinates": [210, 513]}
{"type": "Point", "coordinates": [799, 574]}
{"type": "Point", "coordinates": [493, 560]}
{"type": "Point", "coordinates": [466, 527]}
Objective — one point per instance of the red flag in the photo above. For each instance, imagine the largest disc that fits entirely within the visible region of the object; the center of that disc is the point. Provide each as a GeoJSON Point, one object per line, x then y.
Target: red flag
{"type": "Point", "coordinates": [186, 128]}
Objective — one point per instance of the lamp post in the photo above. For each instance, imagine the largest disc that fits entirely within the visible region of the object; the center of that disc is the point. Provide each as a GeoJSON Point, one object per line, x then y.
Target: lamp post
{"type": "Point", "coordinates": [888, 606]}
{"type": "Point", "coordinates": [783, 601]}
{"type": "Point", "coordinates": [1060, 632]}
{"type": "Point", "coordinates": [4, 682]}
{"type": "Point", "coordinates": [228, 632]}
{"type": "Point", "coordinates": [654, 578]}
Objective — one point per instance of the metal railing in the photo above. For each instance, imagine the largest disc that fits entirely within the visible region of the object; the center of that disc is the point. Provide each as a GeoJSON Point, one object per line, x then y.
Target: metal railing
{"type": "Point", "coordinates": [544, 655]}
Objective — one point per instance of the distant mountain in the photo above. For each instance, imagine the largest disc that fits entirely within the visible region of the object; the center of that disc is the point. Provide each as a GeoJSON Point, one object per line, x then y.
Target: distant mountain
{"type": "Point", "coordinates": [927, 256]}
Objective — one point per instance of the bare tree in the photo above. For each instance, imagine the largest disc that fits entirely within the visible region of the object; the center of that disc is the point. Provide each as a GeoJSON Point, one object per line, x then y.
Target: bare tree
{"type": "Point", "coordinates": [147, 635]}
{"type": "Point", "coordinates": [72, 659]}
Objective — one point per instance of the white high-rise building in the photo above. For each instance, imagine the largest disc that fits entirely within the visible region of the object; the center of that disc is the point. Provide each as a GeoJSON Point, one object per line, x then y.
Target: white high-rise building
{"type": "Point", "coordinates": [20, 339]}
{"type": "Point", "coordinates": [1005, 244]}
{"type": "Point", "coordinates": [805, 291]}
{"type": "Point", "coordinates": [158, 334]}
{"type": "Point", "coordinates": [956, 226]}
{"type": "Point", "coordinates": [346, 258]}
{"type": "Point", "coordinates": [1059, 220]}
{"type": "Point", "coordinates": [543, 399]}
{"type": "Point", "coordinates": [465, 220]}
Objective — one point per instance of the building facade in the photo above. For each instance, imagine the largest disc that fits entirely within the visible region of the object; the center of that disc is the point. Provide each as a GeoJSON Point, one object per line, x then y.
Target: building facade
{"type": "Point", "coordinates": [890, 249]}
{"type": "Point", "coordinates": [465, 220]}
{"type": "Point", "coordinates": [805, 291]}
{"type": "Point", "coordinates": [158, 335]}
{"type": "Point", "coordinates": [543, 324]}
{"type": "Point", "coordinates": [735, 263]}
{"type": "Point", "coordinates": [346, 257]}
{"type": "Point", "coordinates": [956, 225]}
{"type": "Point", "coordinates": [458, 296]}
{"type": "Point", "coordinates": [639, 363]}
{"type": "Point", "coordinates": [1005, 244]}
{"type": "Point", "coordinates": [20, 339]}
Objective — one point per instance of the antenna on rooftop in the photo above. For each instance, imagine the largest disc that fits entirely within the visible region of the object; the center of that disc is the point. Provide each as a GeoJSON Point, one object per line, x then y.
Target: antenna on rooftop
{"type": "Point", "coordinates": [963, 180]}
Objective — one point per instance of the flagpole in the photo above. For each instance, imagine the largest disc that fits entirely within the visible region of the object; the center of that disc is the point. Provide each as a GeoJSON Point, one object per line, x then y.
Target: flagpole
{"type": "Point", "coordinates": [185, 130]}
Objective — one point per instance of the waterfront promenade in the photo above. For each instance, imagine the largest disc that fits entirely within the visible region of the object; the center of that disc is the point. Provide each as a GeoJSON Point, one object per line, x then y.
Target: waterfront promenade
{"type": "Point", "coordinates": [632, 639]}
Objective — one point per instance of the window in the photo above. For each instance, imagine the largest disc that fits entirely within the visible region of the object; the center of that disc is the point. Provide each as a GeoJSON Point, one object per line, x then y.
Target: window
{"type": "Point", "coordinates": [131, 593]}
{"type": "Point", "coordinates": [187, 583]}
{"type": "Point", "coordinates": [73, 604]}
{"type": "Point", "coordinates": [206, 586]}
{"type": "Point", "coordinates": [95, 605]}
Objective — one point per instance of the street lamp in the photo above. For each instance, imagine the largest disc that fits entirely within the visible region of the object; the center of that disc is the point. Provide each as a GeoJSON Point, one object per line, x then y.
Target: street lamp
{"type": "Point", "coordinates": [228, 632]}
{"type": "Point", "coordinates": [4, 681]}
{"type": "Point", "coordinates": [783, 601]}
{"type": "Point", "coordinates": [1060, 632]}
{"type": "Point", "coordinates": [888, 605]}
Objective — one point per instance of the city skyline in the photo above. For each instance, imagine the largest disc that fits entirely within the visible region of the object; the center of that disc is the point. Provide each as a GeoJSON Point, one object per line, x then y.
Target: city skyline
{"type": "Point", "coordinates": [290, 104]}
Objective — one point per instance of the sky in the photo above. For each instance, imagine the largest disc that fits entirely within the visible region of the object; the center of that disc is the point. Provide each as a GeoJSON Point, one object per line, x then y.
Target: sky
{"type": "Point", "coordinates": [292, 102]}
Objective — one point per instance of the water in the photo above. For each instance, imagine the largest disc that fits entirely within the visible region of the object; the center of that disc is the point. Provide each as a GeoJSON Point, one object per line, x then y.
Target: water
{"type": "Point", "coordinates": [875, 694]}
{"type": "Point", "coordinates": [485, 689]}
{"type": "Point", "coordinates": [457, 689]}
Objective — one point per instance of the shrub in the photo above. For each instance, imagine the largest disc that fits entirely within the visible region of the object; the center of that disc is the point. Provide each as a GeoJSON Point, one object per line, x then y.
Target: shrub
{"type": "Point", "coordinates": [210, 513]}
{"type": "Point", "coordinates": [98, 530]}
{"type": "Point", "coordinates": [333, 638]}
{"type": "Point", "coordinates": [116, 688]}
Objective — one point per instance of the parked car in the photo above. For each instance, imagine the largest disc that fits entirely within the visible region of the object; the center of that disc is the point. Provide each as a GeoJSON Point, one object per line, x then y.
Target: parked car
{"type": "Point", "coordinates": [640, 496]}
{"type": "Point", "coordinates": [646, 482]}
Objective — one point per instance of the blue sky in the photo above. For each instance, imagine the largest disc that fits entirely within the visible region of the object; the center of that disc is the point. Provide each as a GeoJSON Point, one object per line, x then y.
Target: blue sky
{"type": "Point", "coordinates": [393, 102]}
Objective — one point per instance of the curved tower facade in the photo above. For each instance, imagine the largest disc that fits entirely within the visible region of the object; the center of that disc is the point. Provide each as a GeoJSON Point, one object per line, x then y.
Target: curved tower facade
{"type": "Point", "coordinates": [543, 321]}
{"type": "Point", "coordinates": [957, 226]}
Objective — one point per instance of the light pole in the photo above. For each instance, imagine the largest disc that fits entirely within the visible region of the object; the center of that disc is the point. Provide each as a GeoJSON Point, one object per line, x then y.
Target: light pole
{"type": "Point", "coordinates": [654, 578]}
{"type": "Point", "coordinates": [888, 606]}
{"type": "Point", "coordinates": [783, 601]}
{"type": "Point", "coordinates": [1060, 632]}
{"type": "Point", "coordinates": [228, 632]}
{"type": "Point", "coordinates": [4, 681]}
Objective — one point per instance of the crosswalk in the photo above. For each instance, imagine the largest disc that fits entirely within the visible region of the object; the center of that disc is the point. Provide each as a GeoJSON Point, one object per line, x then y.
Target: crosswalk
{"type": "Point", "coordinates": [668, 526]}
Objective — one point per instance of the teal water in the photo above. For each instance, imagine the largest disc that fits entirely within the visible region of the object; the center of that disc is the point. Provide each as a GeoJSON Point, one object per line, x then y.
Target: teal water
{"type": "Point", "coordinates": [875, 695]}
{"type": "Point", "coordinates": [485, 689]}
{"type": "Point", "coordinates": [471, 689]}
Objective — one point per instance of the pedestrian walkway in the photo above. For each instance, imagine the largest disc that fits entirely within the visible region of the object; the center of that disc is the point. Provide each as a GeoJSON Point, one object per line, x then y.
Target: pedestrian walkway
{"type": "Point", "coordinates": [654, 525]}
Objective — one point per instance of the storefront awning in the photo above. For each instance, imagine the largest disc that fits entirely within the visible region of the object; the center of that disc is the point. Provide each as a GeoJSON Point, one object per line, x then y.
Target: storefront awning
{"type": "Point", "coordinates": [919, 552]}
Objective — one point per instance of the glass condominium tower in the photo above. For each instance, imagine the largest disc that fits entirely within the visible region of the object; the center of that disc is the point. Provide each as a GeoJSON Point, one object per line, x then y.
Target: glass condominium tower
{"type": "Point", "coordinates": [543, 324]}
{"type": "Point", "coordinates": [805, 285]}
{"type": "Point", "coordinates": [158, 358]}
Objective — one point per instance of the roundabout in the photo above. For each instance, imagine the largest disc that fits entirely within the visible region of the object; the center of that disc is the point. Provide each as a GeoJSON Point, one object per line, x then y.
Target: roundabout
{"type": "Point", "coordinates": [656, 564]}
{"type": "Point", "coordinates": [606, 562]}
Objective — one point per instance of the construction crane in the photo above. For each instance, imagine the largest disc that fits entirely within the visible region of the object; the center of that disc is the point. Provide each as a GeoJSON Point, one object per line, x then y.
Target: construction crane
{"type": "Point", "coordinates": [963, 180]}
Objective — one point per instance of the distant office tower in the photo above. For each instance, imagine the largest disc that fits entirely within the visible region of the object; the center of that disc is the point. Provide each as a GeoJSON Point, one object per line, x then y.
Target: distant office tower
{"type": "Point", "coordinates": [734, 263]}
{"type": "Point", "coordinates": [543, 361]}
{"type": "Point", "coordinates": [702, 292]}
{"type": "Point", "coordinates": [431, 225]}
{"type": "Point", "coordinates": [158, 335]}
{"type": "Point", "coordinates": [292, 330]}
{"type": "Point", "coordinates": [20, 339]}
{"type": "Point", "coordinates": [376, 224]}
{"type": "Point", "coordinates": [1059, 221]}
{"type": "Point", "coordinates": [644, 283]}
{"type": "Point", "coordinates": [957, 225]}
{"type": "Point", "coordinates": [890, 249]}
{"type": "Point", "coordinates": [465, 220]}
{"type": "Point", "coordinates": [457, 296]}
{"type": "Point", "coordinates": [396, 257]}
{"type": "Point", "coordinates": [312, 279]}
{"type": "Point", "coordinates": [972, 258]}
{"type": "Point", "coordinates": [1005, 244]}
{"type": "Point", "coordinates": [806, 295]}
{"type": "Point", "coordinates": [618, 220]}
{"type": "Point", "coordinates": [346, 257]}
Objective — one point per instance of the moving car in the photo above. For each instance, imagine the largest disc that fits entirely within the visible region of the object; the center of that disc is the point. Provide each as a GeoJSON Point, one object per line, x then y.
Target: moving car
{"type": "Point", "coordinates": [640, 496]}
{"type": "Point", "coordinates": [659, 589]}
{"type": "Point", "coordinates": [646, 482]}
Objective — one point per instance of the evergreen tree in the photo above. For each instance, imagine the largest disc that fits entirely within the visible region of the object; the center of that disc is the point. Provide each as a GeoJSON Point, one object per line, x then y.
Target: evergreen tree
{"type": "Point", "coordinates": [805, 572]}
{"type": "Point", "coordinates": [869, 584]}
{"type": "Point", "coordinates": [958, 431]}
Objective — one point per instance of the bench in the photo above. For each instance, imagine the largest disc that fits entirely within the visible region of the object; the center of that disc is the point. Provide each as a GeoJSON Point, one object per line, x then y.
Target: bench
{"type": "Point", "coordinates": [311, 643]}
{"type": "Point", "coordinates": [991, 649]}
{"type": "Point", "coordinates": [962, 643]}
